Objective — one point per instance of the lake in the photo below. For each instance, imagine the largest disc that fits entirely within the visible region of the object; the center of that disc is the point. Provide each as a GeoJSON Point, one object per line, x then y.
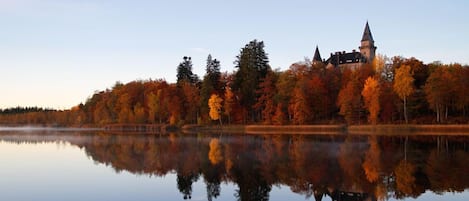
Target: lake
{"type": "Point", "coordinates": [92, 165]}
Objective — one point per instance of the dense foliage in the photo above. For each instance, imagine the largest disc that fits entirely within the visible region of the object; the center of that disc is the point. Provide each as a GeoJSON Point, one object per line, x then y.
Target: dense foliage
{"type": "Point", "coordinates": [396, 90]}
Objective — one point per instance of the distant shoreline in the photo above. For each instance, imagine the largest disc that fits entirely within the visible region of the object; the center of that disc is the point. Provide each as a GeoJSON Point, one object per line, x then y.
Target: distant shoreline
{"type": "Point", "coordinates": [337, 129]}
{"type": "Point", "coordinates": [45, 128]}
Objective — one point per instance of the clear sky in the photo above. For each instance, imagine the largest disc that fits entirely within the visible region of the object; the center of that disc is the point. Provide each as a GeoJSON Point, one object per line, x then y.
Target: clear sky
{"type": "Point", "coordinates": [57, 53]}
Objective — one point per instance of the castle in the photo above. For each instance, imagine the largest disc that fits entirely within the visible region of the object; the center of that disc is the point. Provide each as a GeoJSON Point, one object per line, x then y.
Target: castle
{"type": "Point", "coordinates": [352, 59]}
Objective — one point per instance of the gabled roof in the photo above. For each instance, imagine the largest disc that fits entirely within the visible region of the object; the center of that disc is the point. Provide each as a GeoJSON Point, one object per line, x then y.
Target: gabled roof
{"type": "Point", "coordinates": [346, 58]}
{"type": "Point", "coordinates": [367, 34]}
{"type": "Point", "coordinates": [317, 56]}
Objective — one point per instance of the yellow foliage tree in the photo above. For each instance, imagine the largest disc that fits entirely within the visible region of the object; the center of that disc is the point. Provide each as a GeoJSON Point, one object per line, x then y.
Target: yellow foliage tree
{"type": "Point", "coordinates": [153, 106]}
{"type": "Point", "coordinates": [404, 85]}
{"type": "Point", "coordinates": [371, 92]}
{"type": "Point", "coordinates": [214, 103]}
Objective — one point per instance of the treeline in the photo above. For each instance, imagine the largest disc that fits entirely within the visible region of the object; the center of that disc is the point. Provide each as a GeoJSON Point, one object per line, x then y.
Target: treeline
{"type": "Point", "coordinates": [395, 90]}
{"type": "Point", "coordinates": [19, 110]}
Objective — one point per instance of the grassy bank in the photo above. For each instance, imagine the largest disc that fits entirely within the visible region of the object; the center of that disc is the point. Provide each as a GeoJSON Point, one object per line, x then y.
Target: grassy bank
{"type": "Point", "coordinates": [295, 129]}
{"type": "Point", "coordinates": [400, 129]}
{"type": "Point", "coordinates": [267, 129]}
{"type": "Point", "coordinates": [334, 129]}
{"type": "Point", "coordinates": [409, 129]}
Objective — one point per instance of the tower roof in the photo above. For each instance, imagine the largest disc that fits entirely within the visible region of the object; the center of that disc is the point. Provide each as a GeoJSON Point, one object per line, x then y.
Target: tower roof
{"type": "Point", "coordinates": [367, 34]}
{"type": "Point", "coordinates": [317, 56]}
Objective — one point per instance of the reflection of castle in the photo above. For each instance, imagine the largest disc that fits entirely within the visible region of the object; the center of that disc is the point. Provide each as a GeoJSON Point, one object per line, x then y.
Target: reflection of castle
{"type": "Point", "coordinates": [352, 59]}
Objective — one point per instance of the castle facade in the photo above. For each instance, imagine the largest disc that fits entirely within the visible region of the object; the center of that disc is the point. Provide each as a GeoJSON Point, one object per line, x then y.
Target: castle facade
{"type": "Point", "coordinates": [352, 59]}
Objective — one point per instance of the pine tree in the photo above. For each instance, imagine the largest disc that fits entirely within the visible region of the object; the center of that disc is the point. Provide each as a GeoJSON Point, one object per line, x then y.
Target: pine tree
{"type": "Point", "coordinates": [184, 72]}
{"type": "Point", "coordinates": [211, 84]}
{"type": "Point", "coordinates": [252, 64]}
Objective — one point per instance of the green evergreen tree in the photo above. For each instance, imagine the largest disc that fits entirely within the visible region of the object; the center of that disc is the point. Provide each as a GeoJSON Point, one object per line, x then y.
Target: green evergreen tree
{"type": "Point", "coordinates": [210, 84]}
{"type": "Point", "coordinates": [184, 72]}
{"type": "Point", "coordinates": [252, 64]}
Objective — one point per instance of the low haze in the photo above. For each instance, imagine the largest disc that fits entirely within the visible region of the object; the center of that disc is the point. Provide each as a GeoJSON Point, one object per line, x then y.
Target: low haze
{"type": "Point", "coordinates": [56, 53]}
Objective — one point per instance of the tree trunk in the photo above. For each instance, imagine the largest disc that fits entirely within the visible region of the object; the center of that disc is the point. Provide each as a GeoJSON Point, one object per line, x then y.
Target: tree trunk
{"type": "Point", "coordinates": [405, 110]}
{"type": "Point", "coordinates": [446, 114]}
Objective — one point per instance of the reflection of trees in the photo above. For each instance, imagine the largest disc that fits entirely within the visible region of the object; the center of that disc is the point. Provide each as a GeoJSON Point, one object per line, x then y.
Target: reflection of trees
{"type": "Point", "coordinates": [185, 184]}
{"type": "Point", "coordinates": [314, 166]}
{"type": "Point", "coordinates": [247, 170]}
{"type": "Point", "coordinates": [405, 178]}
{"type": "Point", "coordinates": [215, 154]}
{"type": "Point", "coordinates": [448, 171]}
{"type": "Point", "coordinates": [372, 162]}
{"type": "Point", "coordinates": [350, 160]}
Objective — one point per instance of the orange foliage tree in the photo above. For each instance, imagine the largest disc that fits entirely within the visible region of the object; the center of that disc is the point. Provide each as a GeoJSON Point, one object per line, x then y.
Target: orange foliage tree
{"type": "Point", "coordinates": [371, 92]}
{"type": "Point", "coordinates": [214, 103]}
{"type": "Point", "coordinates": [300, 106]}
{"type": "Point", "coordinates": [349, 100]}
{"type": "Point", "coordinates": [265, 102]}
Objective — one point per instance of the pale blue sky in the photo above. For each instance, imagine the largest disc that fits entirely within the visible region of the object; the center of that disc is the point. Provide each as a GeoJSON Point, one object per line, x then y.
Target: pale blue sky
{"type": "Point", "coordinates": [56, 53]}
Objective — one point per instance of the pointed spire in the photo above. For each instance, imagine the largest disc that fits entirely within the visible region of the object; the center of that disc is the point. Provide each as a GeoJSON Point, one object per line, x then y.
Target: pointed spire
{"type": "Point", "coordinates": [317, 56]}
{"type": "Point", "coordinates": [367, 33]}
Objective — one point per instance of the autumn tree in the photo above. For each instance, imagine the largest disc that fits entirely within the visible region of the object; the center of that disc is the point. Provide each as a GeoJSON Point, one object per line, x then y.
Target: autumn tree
{"type": "Point", "coordinates": [279, 115]}
{"type": "Point", "coordinates": [462, 83]}
{"type": "Point", "coordinates": [190, 98]}
{"type": "Point", "coordinates": [174, 104]}
{"type": "Point", "coordinates": [265, 102]}
{"type": "Point", "coordinates": [153, 107]}
{"type": "Point", "coordinates": [332, 85]}
{"type": "Point", "coordinates": [371, 92]}
{"type": "Point", "coordinates": [403, 85]}
{"type": "Point", "coordinates": [317, 94]}
{"type": "Point", "coordinates": [228, 103]}
{"type": "Point", "coordinates": [286, 82]}
{"type": "Point", "coordinates": [437, 90]}
{"type": "Point", "coordinates": [252, 66]}
{"type": "Point", "coordinates": [349, 101]}
{"type": "Point", "coordinates": [214, 103]}
{"type": "Point", "coordinates": [125, 111]}
{"type": "Point", "coordinates": [139, 114]}
{"type": "Point", "coordinates": [300, 106]}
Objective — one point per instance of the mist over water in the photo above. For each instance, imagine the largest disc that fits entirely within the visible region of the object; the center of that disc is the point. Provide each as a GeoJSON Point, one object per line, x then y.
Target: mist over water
{"type": "Point", "coordinates": [39, 128]}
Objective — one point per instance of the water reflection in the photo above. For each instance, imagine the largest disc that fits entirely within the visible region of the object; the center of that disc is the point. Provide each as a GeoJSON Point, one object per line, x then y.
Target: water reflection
{"type": "Point", "coordinates": [338, 167]}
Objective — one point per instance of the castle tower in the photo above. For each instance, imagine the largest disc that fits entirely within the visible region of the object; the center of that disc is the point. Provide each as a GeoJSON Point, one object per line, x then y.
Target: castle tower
{"type": "Point", "coordinates": [368, 48]}
{"type": "Point", "coordinates": [317, 57]}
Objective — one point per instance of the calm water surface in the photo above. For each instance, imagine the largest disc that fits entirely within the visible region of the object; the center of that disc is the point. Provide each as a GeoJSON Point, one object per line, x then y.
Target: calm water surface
{"type": "Point", "coordinates": [53, 165]}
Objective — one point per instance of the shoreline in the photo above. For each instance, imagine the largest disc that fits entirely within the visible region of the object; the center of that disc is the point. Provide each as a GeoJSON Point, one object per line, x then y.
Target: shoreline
{"type": "Point", "coordinates": [334, 129]}
{"type": "Point", "coordinates": [338, 129]}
